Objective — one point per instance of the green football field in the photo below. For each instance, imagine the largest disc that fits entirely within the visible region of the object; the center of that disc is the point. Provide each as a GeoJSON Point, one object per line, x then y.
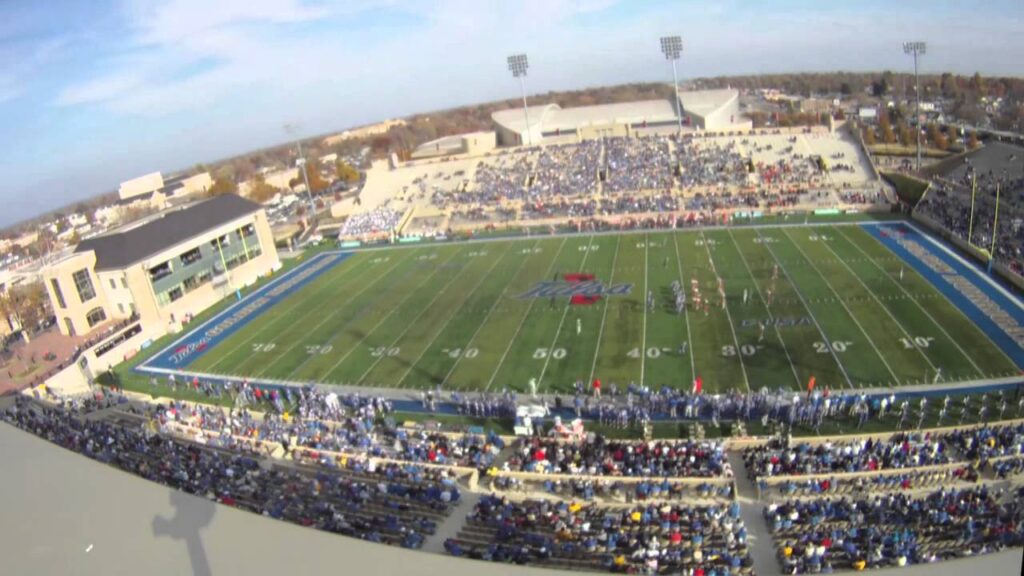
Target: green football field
{"type": "Point", "coordinates": [830, 299]}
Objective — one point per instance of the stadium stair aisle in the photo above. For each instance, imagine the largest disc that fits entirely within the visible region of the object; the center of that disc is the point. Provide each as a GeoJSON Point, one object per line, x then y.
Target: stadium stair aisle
{"type": "Point", "coordinates": [759, 540]}
{"type": "Point", "coordinates": [452, 524]}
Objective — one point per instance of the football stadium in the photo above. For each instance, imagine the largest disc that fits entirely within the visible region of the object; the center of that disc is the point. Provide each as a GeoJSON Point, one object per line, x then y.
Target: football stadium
{"type": "Point", "coordinates": [709, 331]}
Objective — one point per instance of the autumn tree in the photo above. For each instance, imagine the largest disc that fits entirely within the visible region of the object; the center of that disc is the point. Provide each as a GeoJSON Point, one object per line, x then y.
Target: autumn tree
{"type": "Point", "coordinates": [259, 190]}
{"type": "Point", "coordinates": [972, 140]}
{"type": "Point", "coordinates": [937, 138]}
{"type": "Point", "coordinates": [869, 135]}
{"type": "Point", "coordinates": [222, 185]}
{"type": "Point", "coordinates": [906, 134]}
{"type": "Point", "coordinates": [345, 173]}
{"type": "Point", "coordinates": [27, 305]}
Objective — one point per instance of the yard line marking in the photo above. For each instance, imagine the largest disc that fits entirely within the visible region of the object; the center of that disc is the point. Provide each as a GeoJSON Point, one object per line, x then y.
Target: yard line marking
{"type": "Point", "coordinates": [565, 312]}
{"type": "Point", "coordinates": [914, 300]}
{"type": "Point", "coordinates": [728, 315]}
{"type": "Point", "coordinates": [879, 302]}
{"type": "Point", "coordinates": [643, 339]}
{"type": "Point", "coordinates": [522, 321]}
{"type": "Point", "coordinates": [643, 348]}
{"type": "Point", "coordinates": [302, 341]}
{"type": "Point", "coordinates": [814, 319]}
{"type": "Point", "coordinates": [686, 314]}
{"type": "Point", "coordinates": [604, 314]}
{"type": "Point", "coordinates": [394, 309]}
{"type": "Point", "coordinates": [472, 338]}
{"type": "Point", "coordinates": [273, 322]}
{"type": "Point", "coordinates": [448, 320]}
{"type": "Point", "coordinates": [845, 307]}
{"type": "Point", "coordinates": [771, 317]}
{"type": "Point", "coordinates": [411, 323]}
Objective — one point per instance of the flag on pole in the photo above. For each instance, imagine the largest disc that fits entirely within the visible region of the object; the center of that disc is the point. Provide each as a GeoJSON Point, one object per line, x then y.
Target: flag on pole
{"type": "Point", "coordinates": [698, 385]}
{"type": "Point", "coordinates": [810, 385]}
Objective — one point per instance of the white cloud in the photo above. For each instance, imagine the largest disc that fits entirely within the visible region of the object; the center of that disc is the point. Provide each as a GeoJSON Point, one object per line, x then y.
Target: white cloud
{"type": "Point", "coordinates": [99, 90]}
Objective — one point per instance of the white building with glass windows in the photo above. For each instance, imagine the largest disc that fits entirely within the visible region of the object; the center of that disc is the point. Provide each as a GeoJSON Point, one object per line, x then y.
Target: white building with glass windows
{"type": "Point", "coordinates": [162, 269]}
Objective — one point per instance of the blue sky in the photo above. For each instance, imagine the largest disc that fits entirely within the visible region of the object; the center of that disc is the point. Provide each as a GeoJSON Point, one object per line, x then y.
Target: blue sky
{"type": "Point", "coordinates": [95, 92]}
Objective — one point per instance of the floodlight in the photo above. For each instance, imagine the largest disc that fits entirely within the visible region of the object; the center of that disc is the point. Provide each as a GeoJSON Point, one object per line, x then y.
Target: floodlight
{"type": "Point", "coordinates": [518, 64]}
{"type": "Point", "coordinates": [916, 48]}
{"type": "Point", "coordinates": [671, 47]}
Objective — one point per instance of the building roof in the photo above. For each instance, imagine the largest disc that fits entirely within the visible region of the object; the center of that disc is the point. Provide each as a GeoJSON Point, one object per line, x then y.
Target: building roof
{"type": "Point", "coordinates": [552, 117]}
{"type": "Point", "coordinates": [705, 102]}
{"type": "Point", "coordinates": [126, 246]}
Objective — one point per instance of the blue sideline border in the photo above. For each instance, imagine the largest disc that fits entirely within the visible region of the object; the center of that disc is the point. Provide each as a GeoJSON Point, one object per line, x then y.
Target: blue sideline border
{"type": "Point", "coordinates": [197, 341]}
{"type": "Point", "coordinates": [885, 234]}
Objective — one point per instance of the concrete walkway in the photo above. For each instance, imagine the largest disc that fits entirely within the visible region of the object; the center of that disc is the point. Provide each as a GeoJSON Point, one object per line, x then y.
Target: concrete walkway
{"type": "Point", "coordinates": [452, 524]}
{"type": "Point", "coordinates": [759, 540]}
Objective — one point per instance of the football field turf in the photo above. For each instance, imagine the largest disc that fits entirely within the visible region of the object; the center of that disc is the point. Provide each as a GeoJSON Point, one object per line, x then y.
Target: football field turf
{"type": "Point", "coordinates": [834, 303]}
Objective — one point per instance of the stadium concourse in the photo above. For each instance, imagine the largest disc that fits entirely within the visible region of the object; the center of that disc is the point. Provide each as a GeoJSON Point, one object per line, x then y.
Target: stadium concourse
{"type": "Point", "coordinates": [564, 501]}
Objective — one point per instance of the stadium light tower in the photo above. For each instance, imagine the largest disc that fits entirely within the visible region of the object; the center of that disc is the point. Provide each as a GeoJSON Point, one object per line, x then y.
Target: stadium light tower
{"type": "Point", "coordinates": [518, 64]}
{"type": "Point", "coordinates": [301, 161]}
{"type": "Point", "coordinates": [916, 49]}
{"type": "Point", "coordinates": [672, 48]}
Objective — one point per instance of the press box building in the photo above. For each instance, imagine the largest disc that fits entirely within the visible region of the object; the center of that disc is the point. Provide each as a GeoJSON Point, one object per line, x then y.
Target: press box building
{"type": "Point", "coordinates": [177, 263]}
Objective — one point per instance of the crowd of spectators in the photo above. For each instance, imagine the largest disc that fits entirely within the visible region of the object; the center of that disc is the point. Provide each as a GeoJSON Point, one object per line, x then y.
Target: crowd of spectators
{"type": "Point", "coordinates": [391, 504]}
{"type": "Point", "coordinates": [600, 456]}
{"type": "Point", "coordinates": [819, 536]}
{"type": "Point", "coordinates": [988, 442]}
{"type": "Point", "coordinates": [646, 539]}
{"type": "Point", "coordinates": [363, 432]}
{"type": "Point", "coordinates": [566, 170]}
{"type": "Point", "coordinates": [377, 221]}
{"type": "Point", "coordinates": [948, 203]}
{"type": "Point", "coordinates": [635, 164]}
{"type": "Point", "coordinates": [902, 450]}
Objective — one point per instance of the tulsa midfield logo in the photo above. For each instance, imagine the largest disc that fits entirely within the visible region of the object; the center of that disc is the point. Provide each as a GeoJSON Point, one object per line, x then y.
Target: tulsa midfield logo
{"type": "Point", "coordinates": [581, 289]}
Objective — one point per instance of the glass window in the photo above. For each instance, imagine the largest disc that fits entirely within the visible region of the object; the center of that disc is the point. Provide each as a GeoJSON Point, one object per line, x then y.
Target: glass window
{"type": "Point", "coordinates": [124, 282]}
{"type": "Point", "coordinates": [83, 283]}
{"type": "Point", "coordinates": [95, 316]}
{"type": "Point", "coordinates": [191, 283]}
{"type": "Point", "coordinates": [57, 292]}
{"type": "Point", "coordinates": [112, 285]}
{"type": "Point", "coordinates": [175, 294]}
{"type": "Point", "coordinates": [193, 255]}
{"type": "Point", "coordinates": [159, 271]}
{"type": "Point", "coordinates": [120, 308]}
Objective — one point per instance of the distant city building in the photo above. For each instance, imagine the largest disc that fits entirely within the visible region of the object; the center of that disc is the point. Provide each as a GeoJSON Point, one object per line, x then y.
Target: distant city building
{"type": "Point", "coordinates": [177, 263]}
{"type": "Point", "coordinates": [178, 186]}
{"type": "Point", "coordinates": [867, 113]}
{"type": "Point", "coordinates": [364, 131]}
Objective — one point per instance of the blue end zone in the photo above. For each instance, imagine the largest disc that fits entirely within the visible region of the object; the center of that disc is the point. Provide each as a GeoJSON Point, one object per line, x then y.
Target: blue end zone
{"type": "Point", "coordinates": [210, 333]}
{"type": "Point", "coordinates": [895, 237]}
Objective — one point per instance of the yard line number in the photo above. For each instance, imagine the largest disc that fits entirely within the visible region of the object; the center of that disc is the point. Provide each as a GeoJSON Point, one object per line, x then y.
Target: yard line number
{"type": "Point", "coordinates": [542, 353]}
{"type": "Point", "coordinates": [382, 351]}
{"type": "Point", "coordinates": [746, 350]}
{"type": "Point", "coordinates": [268, 347]}
{"type": "Point", "coordinates": [916, 342]}
{"type": "Point", "coordinates": [652, 352]}
{"type": "Point", "coordinates": [834, 346]}
{"type": "Point", "coordinates": [319, 349]}
{"type": "Point", "coordinates": [459, 352]}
